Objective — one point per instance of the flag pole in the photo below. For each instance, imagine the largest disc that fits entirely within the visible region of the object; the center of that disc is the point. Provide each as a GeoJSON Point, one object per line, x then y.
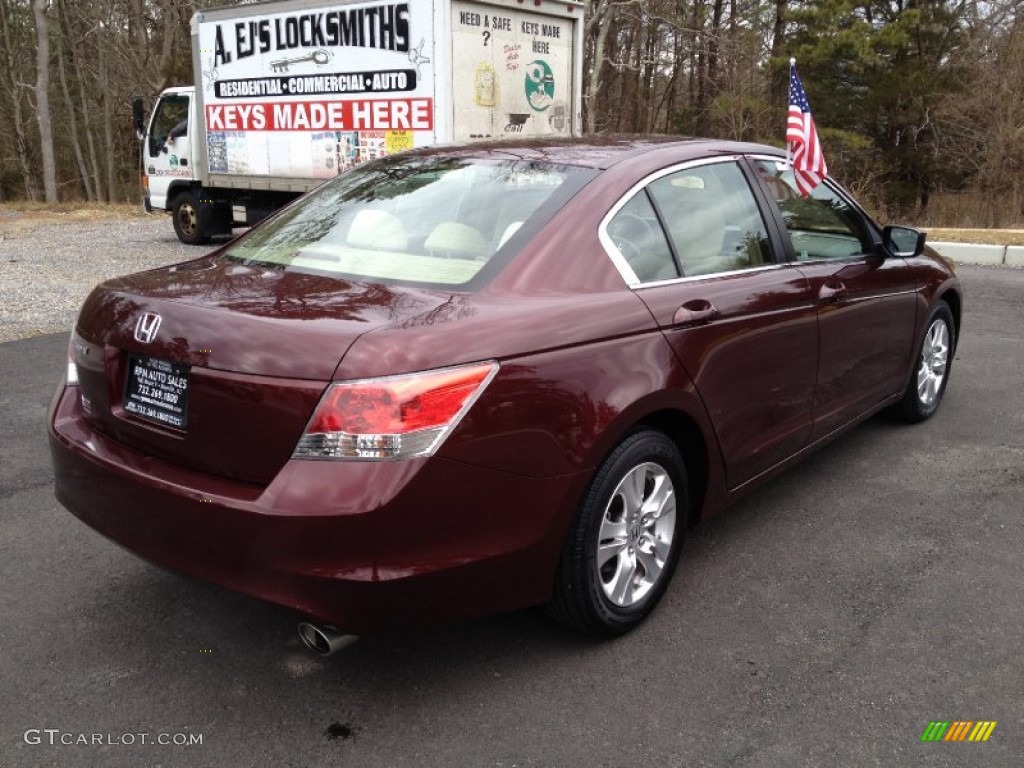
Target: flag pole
{"type": "Point", "coordinates": [792, 63]}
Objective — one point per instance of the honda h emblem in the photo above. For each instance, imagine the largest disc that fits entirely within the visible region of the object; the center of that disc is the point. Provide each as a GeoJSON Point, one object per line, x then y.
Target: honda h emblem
{"type": "Point", "coordinates": [146, 327]}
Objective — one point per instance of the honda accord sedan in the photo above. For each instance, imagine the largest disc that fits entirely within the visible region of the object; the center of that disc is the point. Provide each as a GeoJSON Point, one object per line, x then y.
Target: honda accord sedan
{"type": "Point", "coordinates": [467, 380]}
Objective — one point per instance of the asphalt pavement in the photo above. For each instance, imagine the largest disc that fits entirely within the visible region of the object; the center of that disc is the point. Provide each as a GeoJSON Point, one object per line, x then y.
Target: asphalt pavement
{"type": "Point", "coordinates": [824, 621]}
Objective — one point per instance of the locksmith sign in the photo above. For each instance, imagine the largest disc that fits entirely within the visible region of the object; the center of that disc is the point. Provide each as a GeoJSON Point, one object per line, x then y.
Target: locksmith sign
{"type": "Point", "coordinates": [299, 89]}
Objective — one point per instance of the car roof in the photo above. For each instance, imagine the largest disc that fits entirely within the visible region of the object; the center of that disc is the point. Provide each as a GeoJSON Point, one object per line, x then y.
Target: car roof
{"type": "Point", "coordinates": [600, 151]}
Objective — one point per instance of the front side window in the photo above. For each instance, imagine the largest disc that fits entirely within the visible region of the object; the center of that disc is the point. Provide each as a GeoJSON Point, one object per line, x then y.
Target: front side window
{"type": "Point", "coordinates": [822, 226]}
{"type": "Point", "coordinates": [170, 121]}
{"type": "Point", "coordinates": [435, 220]}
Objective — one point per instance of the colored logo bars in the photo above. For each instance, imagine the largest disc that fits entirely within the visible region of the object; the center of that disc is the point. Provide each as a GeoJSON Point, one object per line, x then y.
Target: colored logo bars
{"type": "Point", "coordinates": [958, 730]}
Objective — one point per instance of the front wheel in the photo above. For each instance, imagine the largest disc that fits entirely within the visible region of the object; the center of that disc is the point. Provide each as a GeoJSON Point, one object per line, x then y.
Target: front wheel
{"type": "Point", "coordinates": [188, 220]}
{"type": "Point", "coordinates": [625, 538]}
{"type": "Point", "coordinates": [934, 358]}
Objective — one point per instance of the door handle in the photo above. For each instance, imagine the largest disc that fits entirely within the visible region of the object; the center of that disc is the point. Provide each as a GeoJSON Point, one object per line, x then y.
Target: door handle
{"type": "Point", "coordinates": [694, 312]}
{"type": "Point", "coordinates": [832, 290]}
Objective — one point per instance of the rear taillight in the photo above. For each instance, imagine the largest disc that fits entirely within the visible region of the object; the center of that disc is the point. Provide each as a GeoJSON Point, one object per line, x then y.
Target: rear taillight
{"type": "Point", "coordinates": [396, 417]}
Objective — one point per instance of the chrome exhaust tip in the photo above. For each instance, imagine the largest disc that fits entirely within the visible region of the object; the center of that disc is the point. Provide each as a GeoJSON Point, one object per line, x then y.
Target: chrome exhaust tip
{"type": "Point", "coordinates": [324, 640]}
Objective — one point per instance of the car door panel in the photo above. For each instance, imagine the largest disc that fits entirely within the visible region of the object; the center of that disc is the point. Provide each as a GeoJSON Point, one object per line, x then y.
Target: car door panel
{"type": "Point", "coordinates": [743, 326]}
{"type": "Point", "coordinates": [866, 312]}
{"type": "Point", "coordinates": [866, 300]}
{"type": "Point", "coordinates": [753, 360]}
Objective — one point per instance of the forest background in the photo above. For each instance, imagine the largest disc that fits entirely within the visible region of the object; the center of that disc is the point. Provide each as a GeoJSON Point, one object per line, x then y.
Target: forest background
{"type": "Point", "coordinates": [919, 103]}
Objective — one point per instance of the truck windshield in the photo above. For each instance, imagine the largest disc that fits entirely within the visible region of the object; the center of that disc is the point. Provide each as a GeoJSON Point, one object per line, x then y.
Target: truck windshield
{"type": "Point", "coordinates": [437, 220]}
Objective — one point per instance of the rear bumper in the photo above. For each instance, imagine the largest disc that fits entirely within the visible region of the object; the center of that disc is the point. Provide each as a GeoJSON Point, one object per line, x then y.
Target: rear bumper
{"type": "Point", "coordinates": [362, 545]}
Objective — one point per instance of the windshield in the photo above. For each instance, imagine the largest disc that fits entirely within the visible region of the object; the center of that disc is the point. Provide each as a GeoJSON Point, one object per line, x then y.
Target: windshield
{"type": "Point", "coordinates": [437, 221]}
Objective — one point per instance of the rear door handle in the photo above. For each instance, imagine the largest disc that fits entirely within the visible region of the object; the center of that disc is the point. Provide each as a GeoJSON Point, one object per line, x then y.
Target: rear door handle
{"type": "Point", "coordinates": [694, 312]}
{"type": "Point", "coordinates": [832, 290]}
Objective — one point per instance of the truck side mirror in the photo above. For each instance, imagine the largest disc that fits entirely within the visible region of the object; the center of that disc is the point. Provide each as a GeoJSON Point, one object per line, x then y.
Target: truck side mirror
{"type": "Point", "coordinates": [138, 119]}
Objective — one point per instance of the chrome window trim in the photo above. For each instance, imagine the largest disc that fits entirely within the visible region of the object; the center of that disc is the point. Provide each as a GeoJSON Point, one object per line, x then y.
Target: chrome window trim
{"type": "Point", "coordinates": [613, 253]}
{"type": "Point", "coordinates": [714, 275]}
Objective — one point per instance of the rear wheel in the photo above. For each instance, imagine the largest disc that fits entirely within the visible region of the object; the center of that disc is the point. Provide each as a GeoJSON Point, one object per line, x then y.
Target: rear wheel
{"type": "Point", "coordinates": [934, 358]}
{"type": "Point", "coordinates": [625, 538]}
{"type": "Point", "coordinates": [188, 220]}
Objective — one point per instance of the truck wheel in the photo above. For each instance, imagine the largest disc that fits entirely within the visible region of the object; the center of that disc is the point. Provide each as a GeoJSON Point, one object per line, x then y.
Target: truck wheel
{"type": "Point", "coordinates": [188, 221]}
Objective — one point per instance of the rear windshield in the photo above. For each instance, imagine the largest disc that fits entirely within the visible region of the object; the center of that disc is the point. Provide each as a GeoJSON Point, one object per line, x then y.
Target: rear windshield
{"type": "Point", "coordinates": [437, 221]}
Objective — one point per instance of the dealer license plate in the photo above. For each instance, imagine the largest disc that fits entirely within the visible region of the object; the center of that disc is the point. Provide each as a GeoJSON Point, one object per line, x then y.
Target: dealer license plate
{"type": "Point", "coordinates": [157, 391]}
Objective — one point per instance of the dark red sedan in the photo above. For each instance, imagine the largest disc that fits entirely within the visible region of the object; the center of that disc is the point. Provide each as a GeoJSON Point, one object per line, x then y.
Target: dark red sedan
{"type": "Point", "coordinates": [467, 380]}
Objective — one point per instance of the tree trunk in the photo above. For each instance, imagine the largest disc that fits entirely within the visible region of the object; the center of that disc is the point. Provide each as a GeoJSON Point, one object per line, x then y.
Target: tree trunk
{"type": "Point", "coordinates": [42, 89]}
{"type": "Point", "coordinates": [649, 80]}
{"type": "Point", "coordinates": [108, 126]}
{"type": "Point", "coordinates": [83, 101]}
{"type": "Point", "coordinates": [780, 76]}
{"type": "Point", "coordinates": [12, 86]}
{"type": "Point", "coordinates": [171, 27]}
{"type": "Point", "coordinates": [76, 145]}
{"type": "Point", "coordinates": [602, 19]}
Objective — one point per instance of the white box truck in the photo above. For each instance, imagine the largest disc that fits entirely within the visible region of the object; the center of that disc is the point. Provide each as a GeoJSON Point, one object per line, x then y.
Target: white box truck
{"type": "Point", "coordinates": [290, 93]}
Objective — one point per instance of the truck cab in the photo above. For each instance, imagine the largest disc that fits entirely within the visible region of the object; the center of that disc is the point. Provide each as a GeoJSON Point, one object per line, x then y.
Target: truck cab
{"type": "Point", "coordinates": [171, 178]}
{"type": "Point", "coordinates": [168, 152]}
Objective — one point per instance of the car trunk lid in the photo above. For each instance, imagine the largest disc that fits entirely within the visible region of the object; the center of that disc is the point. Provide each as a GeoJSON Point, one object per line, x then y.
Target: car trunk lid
{"type": "Point", "coordinates": [217, 365]}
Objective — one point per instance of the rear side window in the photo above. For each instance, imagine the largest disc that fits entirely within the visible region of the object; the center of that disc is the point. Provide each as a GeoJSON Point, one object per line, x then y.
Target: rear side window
{"type": "Point", "coordinates": [712, 219]}
{"type": "Point", "coordinates": [438, 221]}
{"type": "Point", "coordinates": [637, 234]}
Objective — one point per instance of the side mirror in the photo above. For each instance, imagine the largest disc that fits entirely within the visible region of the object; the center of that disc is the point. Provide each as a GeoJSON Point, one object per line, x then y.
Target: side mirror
{"type": "Point", "coordinates": [904, 242]}
{"type": "Point", "coordinates": [138, 119]}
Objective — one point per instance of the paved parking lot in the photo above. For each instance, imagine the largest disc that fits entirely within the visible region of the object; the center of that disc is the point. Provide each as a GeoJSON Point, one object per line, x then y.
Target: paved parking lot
{"type": "Point", "coordinates": [822, 622]}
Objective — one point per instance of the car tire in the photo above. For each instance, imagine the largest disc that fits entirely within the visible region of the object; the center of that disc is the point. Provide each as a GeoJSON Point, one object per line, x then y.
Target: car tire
{"type": "Point", "coordinates": [931, 369]}
{"type": "Point", "coordinates": [624, 539]}
{"type": "Point", "coordinates": [188, 217]}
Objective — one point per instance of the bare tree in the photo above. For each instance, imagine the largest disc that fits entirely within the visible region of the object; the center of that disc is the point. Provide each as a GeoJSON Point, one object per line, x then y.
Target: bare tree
{"type": "Point", "coordinates": [600, 15]}
{"type": "Point", "coordinates": [14, 39]}
{"type": "Point", "coordinates": [71, 111]}
{"type": "Point", "coordinates": [42, 92]}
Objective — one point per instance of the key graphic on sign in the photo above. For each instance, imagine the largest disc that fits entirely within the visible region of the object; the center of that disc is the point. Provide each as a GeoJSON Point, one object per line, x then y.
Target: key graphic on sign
{"type": "Point", "coordinates": [318, 57]}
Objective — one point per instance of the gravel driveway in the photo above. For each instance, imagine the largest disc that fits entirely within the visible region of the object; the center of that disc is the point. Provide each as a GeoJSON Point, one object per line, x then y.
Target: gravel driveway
{"type": "Point", "coordinates": [48, 267]}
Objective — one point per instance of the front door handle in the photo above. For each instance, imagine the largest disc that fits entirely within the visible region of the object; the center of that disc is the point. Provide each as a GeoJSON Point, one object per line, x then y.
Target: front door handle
{"type": "Point", "coordinates": [832, 290]}
{"type": "Point", "coordinates": [694, 312]}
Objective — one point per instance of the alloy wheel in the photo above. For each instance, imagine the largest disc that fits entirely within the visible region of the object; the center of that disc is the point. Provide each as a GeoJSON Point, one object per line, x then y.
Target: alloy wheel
{"type": "Point", "coordinates": [934, 358]}
{"type": "Point", "coordinates": [636, 534]}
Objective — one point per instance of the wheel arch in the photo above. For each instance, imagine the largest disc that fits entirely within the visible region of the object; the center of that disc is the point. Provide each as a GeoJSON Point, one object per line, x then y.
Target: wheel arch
{"type": "Point", "coordinates": [952, 298]}
{"type": "Point", "coordinates": [688, 437]}
{"type": "Point", "coordinates": [176, 188]}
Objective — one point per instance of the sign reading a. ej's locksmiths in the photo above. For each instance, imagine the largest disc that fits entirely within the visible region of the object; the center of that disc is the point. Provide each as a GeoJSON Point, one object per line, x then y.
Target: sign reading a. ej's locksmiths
{"type": "Point", "coordinates": [310, 93]}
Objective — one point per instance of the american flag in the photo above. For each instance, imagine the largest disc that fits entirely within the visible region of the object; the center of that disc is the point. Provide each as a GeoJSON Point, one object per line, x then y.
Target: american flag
{"type": "Point", "coordinates": [802, 138]}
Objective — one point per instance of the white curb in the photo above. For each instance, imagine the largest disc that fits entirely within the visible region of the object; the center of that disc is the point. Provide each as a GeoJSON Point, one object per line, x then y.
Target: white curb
{"type": "Point", "coordinates": [966, 253]}
{"type": "Point", "coordinates": [1014, 256]}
